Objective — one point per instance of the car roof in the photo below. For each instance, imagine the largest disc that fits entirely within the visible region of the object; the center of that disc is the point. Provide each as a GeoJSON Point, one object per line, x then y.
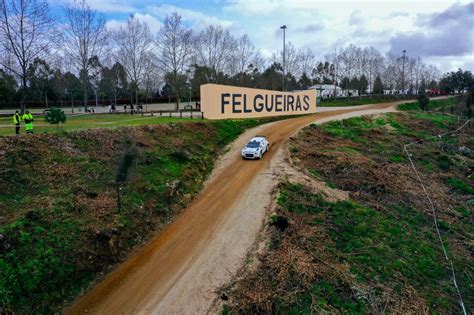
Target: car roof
{"type": "Point", "coordinates": [257, 138]}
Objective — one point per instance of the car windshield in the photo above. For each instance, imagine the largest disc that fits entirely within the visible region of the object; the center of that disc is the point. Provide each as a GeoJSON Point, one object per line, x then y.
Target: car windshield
{"type": "Point", "coordinates": [253, 144]}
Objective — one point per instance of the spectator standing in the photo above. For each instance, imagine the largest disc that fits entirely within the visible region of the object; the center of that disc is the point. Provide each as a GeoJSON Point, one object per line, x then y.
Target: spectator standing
{"type": "Point", "coordinates": [17, 122]}
{"type": "Point", "coordinates": [28, 119]}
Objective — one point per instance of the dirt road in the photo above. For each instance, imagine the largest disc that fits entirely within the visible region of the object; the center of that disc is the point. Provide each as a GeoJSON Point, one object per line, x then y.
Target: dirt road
{"type": "Point", "coordinates": [179, 270]}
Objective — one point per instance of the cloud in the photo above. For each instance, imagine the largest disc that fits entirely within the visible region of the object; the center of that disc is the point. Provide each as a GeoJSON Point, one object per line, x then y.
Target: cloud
{"type": "Point", "coordinates": [245, 7]}
{"type": "Point", "coordinates": [445, 43]}
{"type": "Point", "coordinates": [153, 23]}
{"type": "Point", "coordinates": [356, 18]}
{"type": "Point", "coordinates": [430, 29]}
{"type": "Point", "coordinates": [311, 28]}
{"type": "Point", "coordinates": [197, 19]}
{"type": "Point", "coordinates": [446, 33]}
{"type": "Point", "coordinates": [104, 6]}
{"type": "Point", "coordinates": [397, 14]}
{"type": "Point", "coordinates": [455, 14]}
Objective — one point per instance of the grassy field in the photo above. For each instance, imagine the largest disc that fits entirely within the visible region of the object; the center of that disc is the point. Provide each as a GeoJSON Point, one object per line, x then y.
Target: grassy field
{"type": "Point", "coordinates": [74, 204]}
{"type": "Point", "coordinates": [440, 105]}
{"type": "Point", "coordinates": [378, 251]}
{"type": "Point", "coordinates": [359, 101]}
{"type": "Point", "coordinates": [88, 121]}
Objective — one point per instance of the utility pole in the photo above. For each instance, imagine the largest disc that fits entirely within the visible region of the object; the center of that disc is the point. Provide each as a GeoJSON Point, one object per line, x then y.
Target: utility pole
{"type": "Point", "coordinates": [284, 74]}
{"type": "Point", "coordinates": [335, 71]}
{"type": "Point", "coordinates": [403, 71]}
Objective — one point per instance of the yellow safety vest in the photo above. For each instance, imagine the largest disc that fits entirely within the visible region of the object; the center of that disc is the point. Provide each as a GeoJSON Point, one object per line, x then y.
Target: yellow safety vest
{"type": "Point", "coordinates": [16, 119]}
{"type": "Point", "coordinates": [28, 118]}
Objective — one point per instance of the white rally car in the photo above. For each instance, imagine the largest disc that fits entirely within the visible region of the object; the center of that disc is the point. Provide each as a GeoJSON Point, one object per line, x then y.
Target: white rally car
{"type": "Point", "coordinates": [255, 148]}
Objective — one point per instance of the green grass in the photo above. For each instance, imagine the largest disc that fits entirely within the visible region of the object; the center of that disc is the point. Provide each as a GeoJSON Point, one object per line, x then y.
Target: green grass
{"type": "Point", "coordinates": [460, 186]}
{"type": "Point", "coordinates": [437, 104]}
{"type": "Point", "coordinates": [93, 121]}
{"type": "Point", "coordinates": [89, 121]}
{"type": "Point", "coordinates": [391, 248]}
{"type": "Point", "coordinates": [355, 128]}
{"type": "Point", "coordinates": [58, 207]}
{"type": "Point", "coordinates": [342, 102]}
{"type": "Point", "coordinates": [378, 251]}
{"type": "Point", "coordinates": [440, 121]}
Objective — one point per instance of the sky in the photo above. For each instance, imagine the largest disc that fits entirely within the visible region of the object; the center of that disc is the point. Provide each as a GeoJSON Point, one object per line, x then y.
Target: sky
{"type": "Point", "coordinates": [440, 32]}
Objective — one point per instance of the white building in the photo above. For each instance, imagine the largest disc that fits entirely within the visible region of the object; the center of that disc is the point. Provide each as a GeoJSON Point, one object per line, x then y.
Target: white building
{"type": "Point", "coordinates": [326, 90]}
{"type": "Point", "coordinates": [351, 92]}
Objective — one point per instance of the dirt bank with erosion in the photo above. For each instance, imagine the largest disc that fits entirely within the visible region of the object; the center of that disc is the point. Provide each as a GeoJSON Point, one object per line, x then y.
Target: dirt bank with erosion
{"type": "Point", "coordinates": [180, 270]}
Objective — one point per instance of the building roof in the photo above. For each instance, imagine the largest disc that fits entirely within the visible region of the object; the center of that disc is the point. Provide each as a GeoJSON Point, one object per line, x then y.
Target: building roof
{"type": "Point", "coordinates": [323, 87]}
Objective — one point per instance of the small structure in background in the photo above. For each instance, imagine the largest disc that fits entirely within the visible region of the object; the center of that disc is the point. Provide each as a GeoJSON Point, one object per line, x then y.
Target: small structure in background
{"type": "Point", "coordinates": [326, 90]}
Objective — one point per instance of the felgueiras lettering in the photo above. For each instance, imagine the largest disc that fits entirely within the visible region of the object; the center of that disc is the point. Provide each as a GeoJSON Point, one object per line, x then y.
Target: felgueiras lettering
{"type": "Point", "coordinates": [233, 102]}
{"type": "Point", "coordinates": [240, 103]}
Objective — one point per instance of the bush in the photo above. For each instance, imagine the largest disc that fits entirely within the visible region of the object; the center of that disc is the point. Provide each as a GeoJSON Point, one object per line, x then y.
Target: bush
{"type": "Point", "coordinates": [55, 116]}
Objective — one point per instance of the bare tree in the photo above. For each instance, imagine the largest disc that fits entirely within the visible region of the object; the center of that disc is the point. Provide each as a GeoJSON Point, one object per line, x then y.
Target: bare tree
{"type": "Point", "coordinates": [151, 78]}
{"type": "Point", "coordinates": [306, 61]}
{"type": "Point", "coordinates": [26, 32]}
{"type": "Point", "coordinates": [258, 61]}
{"type": "Point", "coordinates": [85, 37]}
{"type": "Point", "coordinates": [242, 56]}
{"type": "Point", "coordinates": [390, 77]}
{"type": "Point", "coordinates": [349, 63]}
{"type": "Point", "coordinates": [334, 58]}
{"type": "Point", "coordinates": [133, 43]}
{"type": "Point", "coordinates": [374, 66]}
{"type": "Point", "coordinates": [214, 49]}
{"type": "Point", "coordinates": [292, 59]}
{"type": "Point", "coordinates": [175, 48]}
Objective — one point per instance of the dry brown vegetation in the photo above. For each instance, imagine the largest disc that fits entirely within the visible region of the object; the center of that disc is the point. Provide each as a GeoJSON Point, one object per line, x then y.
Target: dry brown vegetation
{"type": "Point", "coordinates": [62, 223]}
{"type": "Point", "coordinates": [377, 252]}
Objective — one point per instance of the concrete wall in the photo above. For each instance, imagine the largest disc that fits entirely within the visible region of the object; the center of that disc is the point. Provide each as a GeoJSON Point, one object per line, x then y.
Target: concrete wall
{"type": "Point", "coordinates": [224, 102]}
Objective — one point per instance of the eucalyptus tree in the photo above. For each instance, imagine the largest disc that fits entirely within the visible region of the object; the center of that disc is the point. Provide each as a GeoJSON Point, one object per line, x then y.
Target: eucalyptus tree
{"type": "Point", "coordinates": [175, 51]}
{"type": "Point", "coordinates": [113, 82]}
{"type": "Point", "coordinates": [8, 86]}
{"type": "Point", "coordinates": [133, 42]}
{"type": "Point", "coordinates": [85, 36]}
{"type": "Point", "coordinates": [95, 76]}
{"type": "Point", "coordinates": [40, 77]}
{"type": "Point", "coordinates": [27, 31]}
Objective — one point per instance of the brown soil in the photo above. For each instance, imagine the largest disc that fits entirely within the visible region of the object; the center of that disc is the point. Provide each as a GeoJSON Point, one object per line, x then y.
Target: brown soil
{"type": "Point", "coordinates": [181, 268]}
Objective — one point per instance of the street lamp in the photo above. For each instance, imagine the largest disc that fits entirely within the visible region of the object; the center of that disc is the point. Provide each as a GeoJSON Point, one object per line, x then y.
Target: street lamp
{"type": "Point", "coordinates": [403, 71]}
{"type": "Point", "coordinates": [284, 79]}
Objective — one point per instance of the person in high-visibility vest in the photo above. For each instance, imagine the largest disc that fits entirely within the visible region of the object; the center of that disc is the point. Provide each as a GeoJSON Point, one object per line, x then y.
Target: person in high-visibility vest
{"type": "Point", "coordinates": [28, 119]}
{"type": "Point", "coordinates": [17, 121]}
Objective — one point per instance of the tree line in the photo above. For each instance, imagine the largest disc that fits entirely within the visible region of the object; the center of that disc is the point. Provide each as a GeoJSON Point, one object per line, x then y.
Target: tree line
{"type": "Point", "coordinates": [47, 59]}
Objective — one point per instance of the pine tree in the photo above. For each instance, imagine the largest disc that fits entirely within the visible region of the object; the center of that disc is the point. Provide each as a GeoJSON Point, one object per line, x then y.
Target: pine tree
{"type": "Point", "coordinates": [378, 87]}
{"type": "Point", "coordinates": [55, 116]}
{"type": "Point", "coordinates": [423, 99]}
{"type": "Point", "coordinates": [363, 85]}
